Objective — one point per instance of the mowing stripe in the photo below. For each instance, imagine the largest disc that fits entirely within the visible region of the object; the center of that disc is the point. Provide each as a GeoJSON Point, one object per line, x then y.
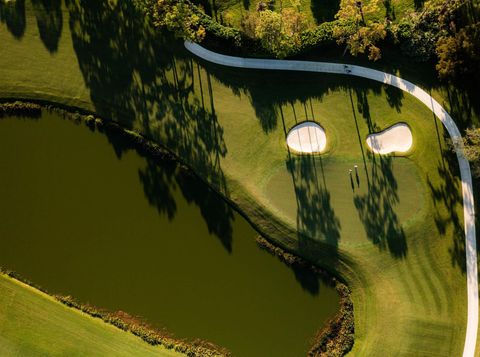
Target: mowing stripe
{"type": "Point", "coordinates": [433, 105]}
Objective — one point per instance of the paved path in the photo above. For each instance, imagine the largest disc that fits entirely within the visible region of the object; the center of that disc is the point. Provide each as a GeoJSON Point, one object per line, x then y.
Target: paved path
{"type": "Point", "coordinates": [433, 105]}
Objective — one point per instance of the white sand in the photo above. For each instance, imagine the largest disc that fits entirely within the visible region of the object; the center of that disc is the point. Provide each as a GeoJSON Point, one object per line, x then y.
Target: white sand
{"type": "Point", "coordinates": [397, 138]}
{"type": "Point", "coordinates": [437, 110]}
{"type": "Point", "coordinates": [307, 137]}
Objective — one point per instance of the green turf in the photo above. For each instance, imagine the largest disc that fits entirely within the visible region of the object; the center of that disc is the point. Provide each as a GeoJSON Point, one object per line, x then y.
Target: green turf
{"type": "Point", "coordinates": [34, 324]}
{"type": "Point", "coordinates": [400, 247]}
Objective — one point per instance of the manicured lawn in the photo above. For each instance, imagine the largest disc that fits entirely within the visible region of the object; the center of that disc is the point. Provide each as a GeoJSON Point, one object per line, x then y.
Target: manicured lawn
{"type": "Point", "coordinates": [398, 244]}
{"type": "Point", "coordinates": [34, 324]}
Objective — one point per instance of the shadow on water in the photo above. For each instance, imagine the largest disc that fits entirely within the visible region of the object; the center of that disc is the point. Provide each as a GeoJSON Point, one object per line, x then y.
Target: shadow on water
{"type": "Point", "coordinates": [317, 222]}
{"type": "Point", "coordinates": [162, 177]}
{"type": "Point", "coordinates": [376, 209]}
{"type": "Point", "coordinates": [12, 14]}
{"type": "Point", "coordinates": [49, 21]}
{"type": "Point", "coordinates": [134, 77]}
{"type": "Point", "coordinates": [140, 77]}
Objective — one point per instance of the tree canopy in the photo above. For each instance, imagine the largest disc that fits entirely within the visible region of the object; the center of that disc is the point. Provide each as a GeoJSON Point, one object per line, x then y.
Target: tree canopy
{"type": "Point", "coordinates": [357, 30]}
{"type": "Point", "coordinates": [279, 33]}
{"type": "Point", "coordinates": [471, 143]}
{"type": "Point", "coordinates": [178, 17]}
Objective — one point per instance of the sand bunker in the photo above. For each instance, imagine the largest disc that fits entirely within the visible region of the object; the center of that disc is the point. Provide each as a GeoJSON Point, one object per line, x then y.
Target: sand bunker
{"type": "Point", "coordinates": [307, 137]}
{"type": "Point", "coordinates": [397, 138]}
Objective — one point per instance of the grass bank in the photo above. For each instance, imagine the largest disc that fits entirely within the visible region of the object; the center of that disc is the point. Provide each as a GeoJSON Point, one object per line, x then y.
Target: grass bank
{"type": "Point", "coordinates": [396, 237]}
{"type": "Point", "coordinates": [168, 345]}
{"type": "Point", "coordinates": [34, 323]}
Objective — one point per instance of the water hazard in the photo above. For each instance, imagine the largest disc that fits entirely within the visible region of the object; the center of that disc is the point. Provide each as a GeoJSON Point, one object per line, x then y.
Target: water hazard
{"type": "Point", "coordinates": [85, 215]}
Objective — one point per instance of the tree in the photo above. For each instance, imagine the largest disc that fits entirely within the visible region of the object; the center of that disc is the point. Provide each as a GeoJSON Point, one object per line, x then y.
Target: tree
{"type": "Point", "coordinates": [279, 33]}
{"type": "Point", "coordinates": [356, 30]}
{"type": "Point", "coordinates": [459, 53]}
{"type": "Point", "coordinates": [356, 10]}
{"type": "Point", "coordinates": [179, 17]}
{"type": "Point", "coordinates": [471, 147]}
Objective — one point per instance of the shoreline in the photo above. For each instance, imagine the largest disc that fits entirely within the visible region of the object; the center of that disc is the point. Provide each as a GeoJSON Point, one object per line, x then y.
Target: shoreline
{"type": "Point", "coordinates": [338, 331]}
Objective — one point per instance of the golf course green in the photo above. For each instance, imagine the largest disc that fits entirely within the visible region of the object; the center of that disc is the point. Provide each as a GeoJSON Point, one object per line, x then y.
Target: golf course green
{"type": "Point", "coordinates": [394, 233]}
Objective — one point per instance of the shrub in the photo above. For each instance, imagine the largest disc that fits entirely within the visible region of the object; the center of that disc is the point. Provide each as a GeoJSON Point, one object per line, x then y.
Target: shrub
{"type": "Point", "coordinates": [20, 108]}
{"type": "Point", "coordinates": [417, 41]}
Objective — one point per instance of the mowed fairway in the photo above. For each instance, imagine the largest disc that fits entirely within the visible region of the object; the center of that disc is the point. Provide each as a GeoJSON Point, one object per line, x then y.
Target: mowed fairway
{"type": "Point", "coordinates": [34, 324]}
{"type": "Point", "coordinates": [396, 237]}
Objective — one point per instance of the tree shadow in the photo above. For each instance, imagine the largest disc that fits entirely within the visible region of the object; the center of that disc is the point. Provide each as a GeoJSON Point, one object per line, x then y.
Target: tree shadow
{"type": "Point", "coordinates": [318, 227]}
{"type": "Point", "coordinates": [162, 177]}
{"type": "Point", "coordinates": [447, 198]}
{"type": "Point", "coordinates": [394, 97]}
{"type": "Point", "coordinates": [49, 21]}
{"type": "Point", "coordinates": [143, 79]}
{"type": "Point", "coordinates": [463, 104]}
{"type": "Point", "coordinates": [316, 217]}
{"type": "Point", "coordinates": [376, 209]}
{"type": "Point", "coordinates": [12, 14]}
{"type": "Point", "coordinates": [324, 10]}
{"type": "Point", "coordinates": [364, 108]}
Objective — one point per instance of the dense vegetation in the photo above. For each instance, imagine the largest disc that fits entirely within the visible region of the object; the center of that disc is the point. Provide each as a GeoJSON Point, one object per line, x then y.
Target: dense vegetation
{"type": "Point", "coordinates": [229, 126]}
{"type": "Point", "coordinates": [447, 31]}
{"type": "Point", "coordinates": [471, 142]}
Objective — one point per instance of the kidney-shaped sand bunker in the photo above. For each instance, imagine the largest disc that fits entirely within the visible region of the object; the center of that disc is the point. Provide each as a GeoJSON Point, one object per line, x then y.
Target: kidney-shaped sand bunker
{"type": "Point", "coordinates": [397, 138]}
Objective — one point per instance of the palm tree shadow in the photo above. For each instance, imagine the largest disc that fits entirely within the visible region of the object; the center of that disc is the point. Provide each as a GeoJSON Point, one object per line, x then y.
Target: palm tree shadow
{"type": "Point", "coordinates": [144, 80]}
{"type": "Point", "coordinates": [49, 21]}
{"type": "Point", "coordinates": [164, 179]}
{"type": "Point", "coordinates": [447, 199]}
{"type": "Point", "coordinates": [12, 13]}
{"type": "Point", "coordinates": [315, 215]}
{"type": "Point", "coordinates": [376, 209]}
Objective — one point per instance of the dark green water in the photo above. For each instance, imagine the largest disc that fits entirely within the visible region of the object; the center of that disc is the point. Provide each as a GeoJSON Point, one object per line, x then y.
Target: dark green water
{"type": "Point", "coordinates": [82, 214]}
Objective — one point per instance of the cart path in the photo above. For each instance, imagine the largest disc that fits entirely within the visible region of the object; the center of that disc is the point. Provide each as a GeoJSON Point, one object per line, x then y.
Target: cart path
{"type": "Point", "coordinates": [433, 105]}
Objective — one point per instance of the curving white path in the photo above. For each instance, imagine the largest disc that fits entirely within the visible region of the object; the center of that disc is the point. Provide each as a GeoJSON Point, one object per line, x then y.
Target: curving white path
{"type": "Point", "coordinates": [434, 106]}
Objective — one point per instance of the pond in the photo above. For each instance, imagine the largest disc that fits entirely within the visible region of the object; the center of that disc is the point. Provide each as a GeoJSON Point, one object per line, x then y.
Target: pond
{"type": "Point", "coordinates": [84, 214]}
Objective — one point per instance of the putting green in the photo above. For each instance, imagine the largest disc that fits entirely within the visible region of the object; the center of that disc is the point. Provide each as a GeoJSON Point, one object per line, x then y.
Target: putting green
{"type": "Point", "coordinates": [230, 125]}
{"type": "Point", "coordinates": [372, 205]}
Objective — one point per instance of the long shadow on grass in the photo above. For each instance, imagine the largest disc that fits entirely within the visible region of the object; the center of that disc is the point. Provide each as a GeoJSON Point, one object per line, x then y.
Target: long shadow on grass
{"type": "Point", "coordinates": [269, 90]}
{"type": "Point", "coordinates": [376, 209]}
{"type": "Point", "coordinates": [316, 218]}
{"type": "Point", "coordinates": [12, 14]}
{"type": "Point", "coordinates": [49, 21]}
{"type": "Point", "coordinates": [445, 190]}
{"type": "Point", "coordinates": [142, 79]}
